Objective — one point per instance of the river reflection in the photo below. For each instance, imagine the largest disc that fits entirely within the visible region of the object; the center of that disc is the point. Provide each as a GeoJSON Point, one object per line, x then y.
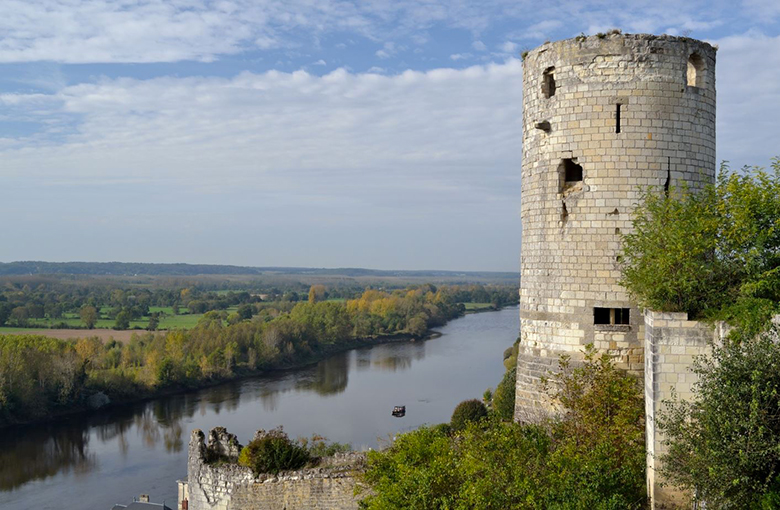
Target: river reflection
{"type": "Point", "coordinates": [96, 461]}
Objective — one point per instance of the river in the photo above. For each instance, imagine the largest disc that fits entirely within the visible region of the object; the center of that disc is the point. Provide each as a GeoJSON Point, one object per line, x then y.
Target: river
{"type": "Point", "coordinates": [96, 461]}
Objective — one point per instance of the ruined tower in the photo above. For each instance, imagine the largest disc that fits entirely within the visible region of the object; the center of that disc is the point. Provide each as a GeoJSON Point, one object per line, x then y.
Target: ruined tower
{"type": "Point", "coordinates": [603, 116]}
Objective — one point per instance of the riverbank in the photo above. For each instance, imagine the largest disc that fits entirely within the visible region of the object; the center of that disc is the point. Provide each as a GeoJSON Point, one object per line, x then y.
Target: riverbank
{"type": "Point", "coordinates": [240, 373]}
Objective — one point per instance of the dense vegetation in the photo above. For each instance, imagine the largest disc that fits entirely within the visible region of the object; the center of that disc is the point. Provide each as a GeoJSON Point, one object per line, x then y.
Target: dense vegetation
{"type": "Point", "coordinates": [593, 457]}
{"type": "Point", "coordinates": [40, 376]}
{"type": "Point", "coordinates": [723, 446]}
{"type": "Point", "coordinates": [714, 253]}
{"type": "Point", "coordinates": [57, 304]}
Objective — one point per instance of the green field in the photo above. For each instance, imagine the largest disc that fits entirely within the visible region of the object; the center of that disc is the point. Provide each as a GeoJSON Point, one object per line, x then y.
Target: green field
{"type": "Point", "coordinates": [185, 320]}
{"type": "Point", "coordinates": [478, 307]}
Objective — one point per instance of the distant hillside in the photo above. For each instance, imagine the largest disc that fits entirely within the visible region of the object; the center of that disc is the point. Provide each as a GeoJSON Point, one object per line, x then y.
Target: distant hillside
{"type": "Point", "coordinates": [132, 269]}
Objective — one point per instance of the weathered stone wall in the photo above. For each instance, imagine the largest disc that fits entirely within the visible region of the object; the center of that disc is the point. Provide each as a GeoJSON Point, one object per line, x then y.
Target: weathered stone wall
{"type": "Point", "coordinates": [671, 343]}
{"type": "Point", "coordinates": [571, 229]}
{"type": "Point", "coordinates": [225, 485]}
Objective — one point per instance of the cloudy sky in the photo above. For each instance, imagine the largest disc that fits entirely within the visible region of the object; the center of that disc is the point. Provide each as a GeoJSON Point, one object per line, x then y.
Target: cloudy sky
{"type": "Point", "coordinates": [325, 133]}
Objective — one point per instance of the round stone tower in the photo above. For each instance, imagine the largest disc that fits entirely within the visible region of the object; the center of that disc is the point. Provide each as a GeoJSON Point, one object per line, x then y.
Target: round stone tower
{"type": "Point", "coordinates": [603, 117]}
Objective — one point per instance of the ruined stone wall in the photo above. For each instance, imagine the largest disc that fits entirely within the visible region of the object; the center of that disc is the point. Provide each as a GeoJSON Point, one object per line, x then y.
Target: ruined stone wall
{"type": "Point", "coordinates": [221, 484]}
{"type": "Point", "coordinates": [571, 228]}
{"type": "Point", "coordinates": [671, 343]}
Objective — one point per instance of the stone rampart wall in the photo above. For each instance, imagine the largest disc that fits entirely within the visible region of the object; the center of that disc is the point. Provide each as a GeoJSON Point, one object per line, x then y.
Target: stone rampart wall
{"type": "Point", "coordinates": [671, 343]}
{"type": "Point", "coordinates": [216, 482]}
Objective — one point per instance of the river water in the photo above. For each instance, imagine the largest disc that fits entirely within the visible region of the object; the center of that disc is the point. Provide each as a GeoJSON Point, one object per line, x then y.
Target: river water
{"type": "Point", "coordinates": [94, 462]}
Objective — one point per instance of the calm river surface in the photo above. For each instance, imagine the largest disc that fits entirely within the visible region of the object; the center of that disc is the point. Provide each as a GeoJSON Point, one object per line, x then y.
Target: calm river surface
{"type": "Point", "coordinates": [98, 461]}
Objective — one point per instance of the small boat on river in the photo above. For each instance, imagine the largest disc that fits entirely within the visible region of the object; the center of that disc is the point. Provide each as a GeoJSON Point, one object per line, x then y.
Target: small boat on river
{"type": "Point", "coordinates": [399, 411]}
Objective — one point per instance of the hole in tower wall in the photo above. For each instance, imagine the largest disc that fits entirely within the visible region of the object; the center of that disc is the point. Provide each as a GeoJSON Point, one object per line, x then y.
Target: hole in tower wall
{"type": "Point", "coordinates": [548, 82]}
{"type": "Point", "coordinates": [617, 230]}
{"type": "Point", "coordinates": [695, 72]}
{"type": "Point", "coordinates": [570, 174]}
{"type": "Point", "coordinates": [617, 118]}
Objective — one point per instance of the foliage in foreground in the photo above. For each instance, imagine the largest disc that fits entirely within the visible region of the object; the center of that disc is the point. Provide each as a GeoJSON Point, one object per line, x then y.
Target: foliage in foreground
{"type": "Point", "coordinates": [724, 445]}
{"type": "Point", "coordinates": [593, 457]}
{"type": "Point", "coordinates": [714, 253]}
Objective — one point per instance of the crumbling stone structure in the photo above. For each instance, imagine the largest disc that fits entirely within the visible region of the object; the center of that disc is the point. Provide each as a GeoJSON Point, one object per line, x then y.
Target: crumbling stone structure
{"type": "Point", "coordinates": [603, 117]}
{"type": "Point", "coordinates": [215, 481]}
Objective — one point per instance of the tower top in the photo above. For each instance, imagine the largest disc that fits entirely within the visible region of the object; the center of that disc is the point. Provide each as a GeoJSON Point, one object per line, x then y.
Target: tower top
{"type": "Point", "coordinates": [616, 41]}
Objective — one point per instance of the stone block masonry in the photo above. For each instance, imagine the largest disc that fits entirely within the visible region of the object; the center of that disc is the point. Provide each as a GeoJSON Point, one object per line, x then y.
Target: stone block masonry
{"type": "Point", "coordinates": [671, 344]}
{"type": "Point", "coordinates": [216, 482]}
{"type": "Point", "coordinates": [603, 117]}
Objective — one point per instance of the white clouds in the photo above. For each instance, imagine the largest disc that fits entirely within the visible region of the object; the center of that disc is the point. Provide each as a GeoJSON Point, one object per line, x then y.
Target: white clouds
{"type": "Point", "coordinates": [74, 31]}
{"type": "Point", "coordinates": [286, 132]}
{"type": "Point", "coordinates": [460, 56]}
{"type": "Point", "coordinates": [508, 47]}
{"type": "Point", "coordinates": [748, 98]}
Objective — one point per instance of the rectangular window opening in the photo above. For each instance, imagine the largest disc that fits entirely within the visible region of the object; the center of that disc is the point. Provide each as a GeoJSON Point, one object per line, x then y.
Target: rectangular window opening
{"type": "Point", "coordinates": [611, 316]}
{"type": "Point", "coordinates": [617, 118]}
{"type": "Point", "coordinates": [572, 171]}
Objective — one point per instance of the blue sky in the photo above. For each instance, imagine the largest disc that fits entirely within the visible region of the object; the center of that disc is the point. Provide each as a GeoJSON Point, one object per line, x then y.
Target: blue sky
{"type": "Point", "coordinates": [322, 133]}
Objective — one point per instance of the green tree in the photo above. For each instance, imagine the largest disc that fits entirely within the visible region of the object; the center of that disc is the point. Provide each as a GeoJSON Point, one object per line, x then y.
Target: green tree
{"type": "Point", "coordinates": [504, 396]}
{"type": "Point", "coordinates": [89, 316]}
{"type": "Point", "coordinates": [723, 445]}
{"type": "Point", "coordinates": [714, 253]}
{"type": "Point", "coordinates": [122, 320]}
{"type": "Point", "coordinates": [466, 412]}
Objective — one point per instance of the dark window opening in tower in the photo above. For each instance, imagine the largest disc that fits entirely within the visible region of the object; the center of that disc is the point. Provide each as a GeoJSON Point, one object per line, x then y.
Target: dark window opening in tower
{"type": "Point", "coordinates": [548, 82]}
{"type": "Point", "coordinates": [572, 172]}
{"type": "Point", "coordinates": [617, 118]}
{"type": "Point", "coordinates": [695, 73]}
{"type": "Point", "coordinates": [611, 316]}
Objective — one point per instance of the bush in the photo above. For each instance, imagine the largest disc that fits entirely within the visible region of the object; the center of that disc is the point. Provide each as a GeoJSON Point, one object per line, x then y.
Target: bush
{"type": "Point", "coordinates": [466, 412]}
{"type": "Point", "coordinates": [272, 452]}
{"type": "Point", "coordinates": [318, 446]}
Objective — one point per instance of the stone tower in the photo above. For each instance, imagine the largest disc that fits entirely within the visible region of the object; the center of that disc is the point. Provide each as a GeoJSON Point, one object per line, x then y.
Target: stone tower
{"type": "Point", "coordinates": [603, 116]}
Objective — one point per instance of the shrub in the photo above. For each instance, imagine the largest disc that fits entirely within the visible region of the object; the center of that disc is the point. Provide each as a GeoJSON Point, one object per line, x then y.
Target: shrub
{"type": "Point", "coordinates": [318, 446]}
{"type": "Point", "coordinates": [466, 412]}
{"type": "Point", "coordinates": [272, 452]}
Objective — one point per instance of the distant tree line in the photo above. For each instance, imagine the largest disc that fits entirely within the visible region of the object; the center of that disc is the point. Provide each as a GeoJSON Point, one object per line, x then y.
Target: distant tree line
{"type": "Point", "coordinates": [22, 305]}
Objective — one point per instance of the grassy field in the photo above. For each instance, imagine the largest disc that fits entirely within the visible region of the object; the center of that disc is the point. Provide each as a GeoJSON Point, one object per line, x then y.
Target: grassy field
{"type": "Point", "coordinates": [167, 321]}
{"type": "Point", "coordinates": [477, 307]}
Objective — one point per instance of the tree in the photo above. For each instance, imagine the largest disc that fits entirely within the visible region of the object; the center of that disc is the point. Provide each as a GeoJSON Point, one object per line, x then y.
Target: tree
{"type": "Point", "coordinates": [723, 445]}
{"type": "Point", "coordinates": [504, 396]}
{"type": "Point", "coordinates": [5, 312]}
{"type": "Point", "coordinates": [714, 253]}
{"type": "Point", "coordinates": [317, 293]}
{"type": "Point", "coordinates": [20, 316]}
{"type": "Point", "coordinates": [466, 412]}
{"type": "Point", "coordinates": [154, 322]}
{"type": "Point", "coordinates": [122, 320]}
{"type": "Point", "coordinates": [89, 316]}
